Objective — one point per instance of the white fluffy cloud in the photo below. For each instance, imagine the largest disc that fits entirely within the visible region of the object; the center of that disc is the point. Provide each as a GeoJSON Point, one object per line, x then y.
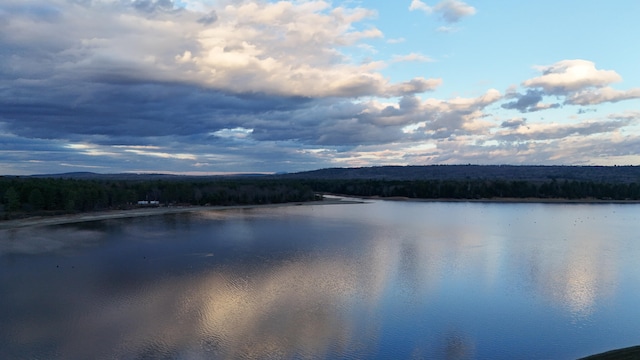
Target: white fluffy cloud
{"type": "Point", "coordinates": [578, 81]}
{"type": "Point", "coordinates": [287, 48]}
{"type": "Point", "coordinates": [571, 75]}
{"type": "Point", "coordinates": [419, 5]}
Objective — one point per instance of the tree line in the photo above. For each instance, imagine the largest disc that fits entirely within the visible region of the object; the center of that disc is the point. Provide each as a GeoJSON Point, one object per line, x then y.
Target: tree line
{"type": "Point", "coordinates": [25, 196]}
{"type": "Point", "coordinates": [479, 189]}
{"type": "Point", "coordinates": [22, 196]}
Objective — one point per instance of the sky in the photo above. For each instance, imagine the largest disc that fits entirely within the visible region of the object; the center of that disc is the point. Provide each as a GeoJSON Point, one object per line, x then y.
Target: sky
{"type": "Point", "coordinates": [234, 86]}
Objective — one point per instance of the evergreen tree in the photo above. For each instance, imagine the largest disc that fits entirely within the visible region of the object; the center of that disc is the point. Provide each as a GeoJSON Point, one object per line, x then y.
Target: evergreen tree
{"type": "Point", "coordinates": [36, 199]}
{"type": "Point", "coordinates": [12, 199]}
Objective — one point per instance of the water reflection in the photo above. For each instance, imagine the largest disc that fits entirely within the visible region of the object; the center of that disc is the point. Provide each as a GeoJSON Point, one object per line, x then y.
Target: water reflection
{"type": "Point", "coordinates": [381, 280]}
{"type": "Point", "coordinates": [38, 241]}
{"type": "Point", "coordinates": [570, 260]}
{"type": "Point", "coordinates": [296, 307]}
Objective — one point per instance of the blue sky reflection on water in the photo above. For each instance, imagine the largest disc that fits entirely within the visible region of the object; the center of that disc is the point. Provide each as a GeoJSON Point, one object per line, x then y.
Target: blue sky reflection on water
{"type": "Point", "coordinates": [377, 280]}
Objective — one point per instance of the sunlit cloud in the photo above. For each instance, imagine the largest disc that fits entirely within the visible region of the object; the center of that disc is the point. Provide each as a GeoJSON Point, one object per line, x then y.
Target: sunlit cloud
{"type": "Point", "coordinates": [91, 150]}
{"type": "Point", "coordinates": [601, 95]}
{"type": "Point", "coordinates": [236, 133]}
{"type": "Point", "coordinates": [571, 75]}
{"type": "Point", "coordinates": [239, 86]}
{"type": "Point", "coordinates": [163, 155]}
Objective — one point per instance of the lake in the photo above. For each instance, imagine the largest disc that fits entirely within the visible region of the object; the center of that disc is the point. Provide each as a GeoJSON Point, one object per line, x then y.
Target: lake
{"type": "Point", "coordinates": [380, 280]}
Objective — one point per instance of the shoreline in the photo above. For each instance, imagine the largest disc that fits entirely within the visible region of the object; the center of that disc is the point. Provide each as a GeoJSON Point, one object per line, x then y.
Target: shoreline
{"type": "Point", "coordinates": [494, 200]}
{"type": "Point", "coordinates": [140, 212]}
{"type": "Point", "coordinates": [333, 199]}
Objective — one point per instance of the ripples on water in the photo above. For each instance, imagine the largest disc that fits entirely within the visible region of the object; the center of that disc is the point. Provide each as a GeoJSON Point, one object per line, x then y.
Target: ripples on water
{"type": "Point", "coordinates": [378, 280]}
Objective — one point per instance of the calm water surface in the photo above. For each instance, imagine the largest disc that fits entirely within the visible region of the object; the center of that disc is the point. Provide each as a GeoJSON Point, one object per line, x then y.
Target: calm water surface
{"type": "Point", "coordinates": [376, 280]}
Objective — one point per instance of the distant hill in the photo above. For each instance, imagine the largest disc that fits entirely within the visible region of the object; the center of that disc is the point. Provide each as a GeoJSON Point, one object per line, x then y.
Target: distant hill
{"type": "Point", "coordinates": [141, 177]}
{"type": "Point", "coordinates": [602, 174]}
{"type": "Point", "coordinates": [97, 176]}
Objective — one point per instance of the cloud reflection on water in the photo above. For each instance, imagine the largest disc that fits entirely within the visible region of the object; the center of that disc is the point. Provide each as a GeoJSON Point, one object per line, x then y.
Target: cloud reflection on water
{"type": "Point", "coordinates": [570, 260]}
{"type": "Point", "coordinates": [296, 306]}
{"type": "Point", "coordinates": [312, 287]}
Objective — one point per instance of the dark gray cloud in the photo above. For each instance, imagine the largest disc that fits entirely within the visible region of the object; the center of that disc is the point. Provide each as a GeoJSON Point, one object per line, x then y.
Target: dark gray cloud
{"type": "Point", "coordinates": [151, 6]}
{"type": "Point", "coordinates": [513, 123]}
{"type": "Point", "coordinates": [327, 123]}
{"type": "Point", "coordinates": [446, 125]}
{"type": "Point", "coordinates": [30, 10]}
{"type": "Point", "coordinates": [209, 19]}
{"type": "Point", "coordinates": [125, 111]}
{"type": "Point", "coordinates": [138, 110]}
{"type": "Point", "coordinates": [529, 102]}
{"type": "Point", "coordinates": [586, 111]}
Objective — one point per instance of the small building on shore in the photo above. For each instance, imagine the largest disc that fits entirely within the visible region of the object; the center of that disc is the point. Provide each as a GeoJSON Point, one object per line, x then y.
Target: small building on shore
{"type": "Point", "coordinates": [148, 203]}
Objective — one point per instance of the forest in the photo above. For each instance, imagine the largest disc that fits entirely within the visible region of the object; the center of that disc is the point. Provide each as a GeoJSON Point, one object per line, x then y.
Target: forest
{"type": "Point", "coordinates": [29, 196]}
{"type": "Point", "coordinates": [37, 196]}
{"type": "Point", "coordinates": [479, 189]}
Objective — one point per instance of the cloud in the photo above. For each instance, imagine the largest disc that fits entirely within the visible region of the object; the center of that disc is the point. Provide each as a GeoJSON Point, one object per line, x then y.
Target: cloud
{"type": "Point", "coordinates": [586, 111]}
{"type": "Point", "coordinates": [459, 116]}
{"type": "Point", "coordinates": [277, 48]}
{"type": "Point", "coordinates": [447, 29]}
{"type": "Point", "coordinates": [412, 57]}
{"type": "Point", "coordinates": [491, 96]}
{"type": "Point", "coordinates": [419, 5]}
{"type": "Point", "coordinates": [451, 11]}
{"type": "Point", "coordinates": [113, 73]}
{"type": "Point", "coordinates": [560, 131]}
{"type": "Point", "coordinates": [529, 102]}
{"type": "Point", "coordinates": [153, 5]}
{"type": "Point", "coordinates": [253, 86]}
{"type": "Point", "coordinates": [601, 95]}
{"type": "Point", "coordinates": [282, 48]}
{"type": "Point", "coordinates": [415, 86]}
{"type": "Point", "coordinates": [526, 142]}
{"type": "Point", "coordinates": [578, 81]}
{"type": "Point", "coordinates": [209, 18]}
{"type": "Point", "coordinates": [513, 123]}
{"type": "Point", "coordinates": [568, 76]}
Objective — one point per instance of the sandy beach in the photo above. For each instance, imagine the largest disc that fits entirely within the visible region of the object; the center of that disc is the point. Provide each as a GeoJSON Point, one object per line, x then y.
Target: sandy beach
{"type": "Point", "coordinates": [120, 214]}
